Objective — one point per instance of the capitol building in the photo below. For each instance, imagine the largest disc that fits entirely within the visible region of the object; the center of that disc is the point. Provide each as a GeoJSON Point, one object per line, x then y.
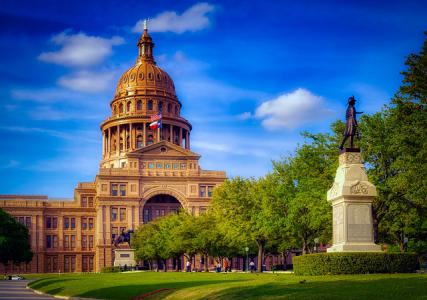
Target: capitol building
{"type": "Point", "coordinates": [147, 170]}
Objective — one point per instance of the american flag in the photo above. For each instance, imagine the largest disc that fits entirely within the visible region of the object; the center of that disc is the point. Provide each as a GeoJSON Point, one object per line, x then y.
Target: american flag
{"type": "Point", "coordinates": [156, 117]}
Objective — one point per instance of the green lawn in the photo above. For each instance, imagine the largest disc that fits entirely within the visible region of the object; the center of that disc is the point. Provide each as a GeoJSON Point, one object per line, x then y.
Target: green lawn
{"type": "Point", "coordinates": [234, 286]}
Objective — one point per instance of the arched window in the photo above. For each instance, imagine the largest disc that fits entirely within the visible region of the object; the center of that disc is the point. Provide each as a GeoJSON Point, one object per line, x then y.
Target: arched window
{"type": "Point", "coordinates": [121, 144]}
{"type": "Point", "coordinates": [176, 110]}
{"type": "Point", "coordinates": [128, 107]}
{"type": "Point", "coordinates": [139, 141]}
{"type": "Point", "coordinates": [150, 140]}
{"type": "Point", "coordinates": [139, 105]}
{"type": "Point", "coordinates": [160, 106]}
{"type": "Point", "coordinates": [169, 108]}
{"type": "Point", "coordinates": [121, 108]}
{"type": "Point", "coordinates": [150, 105]}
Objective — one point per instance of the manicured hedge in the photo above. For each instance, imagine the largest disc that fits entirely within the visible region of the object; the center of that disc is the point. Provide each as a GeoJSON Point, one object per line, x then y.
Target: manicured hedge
{"type": "Point", "coordinates": [355, 263]}
{"type": "Point", "coordinates": [110, 270]}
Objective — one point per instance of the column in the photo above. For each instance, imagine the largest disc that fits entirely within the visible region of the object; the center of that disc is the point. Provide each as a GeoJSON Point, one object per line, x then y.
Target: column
{"type": "Point", "coordinates": [109, 141]}
{"type": "Point", "coordinates": [180, 136]}
{"type": "Point", "coordinates": [187, 140]}
{"type": "Point", "coordinates": [131, 136]}
{"type": "Point", "coordinates": [171, 133]}
{"type": "Point", "coordinates": [158, 134]}
{"type": "Point", "coordinates": [144, 138]}
{"type": "Point", "coordinates": [129, 215]}
{"type": "Point", "coordinates": [118, 139]}
{"type": "Point", "coordinates": [103, 143]}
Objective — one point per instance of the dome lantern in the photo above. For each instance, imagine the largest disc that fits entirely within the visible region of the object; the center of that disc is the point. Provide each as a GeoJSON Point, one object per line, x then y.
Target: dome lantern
{"type": "Point", "coordinates": [145, 46]}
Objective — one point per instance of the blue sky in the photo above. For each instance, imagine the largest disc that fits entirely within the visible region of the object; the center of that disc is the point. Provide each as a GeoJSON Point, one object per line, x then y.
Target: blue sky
{"type": "Point", "coordinates": [251, 76]}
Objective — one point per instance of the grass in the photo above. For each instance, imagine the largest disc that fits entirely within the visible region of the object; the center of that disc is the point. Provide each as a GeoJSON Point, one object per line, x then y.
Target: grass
{"type": "Point", "coordinates": [233, 286]}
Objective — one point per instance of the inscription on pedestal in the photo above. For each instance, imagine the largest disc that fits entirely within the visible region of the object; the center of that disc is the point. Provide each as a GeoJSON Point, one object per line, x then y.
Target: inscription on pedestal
{"type": "Point", "coordinates": [359, 228]}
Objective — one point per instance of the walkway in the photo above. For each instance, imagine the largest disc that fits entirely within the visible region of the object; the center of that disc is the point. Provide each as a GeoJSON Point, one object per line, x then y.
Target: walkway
{"type": "Point", "coordinates": [16, 289]}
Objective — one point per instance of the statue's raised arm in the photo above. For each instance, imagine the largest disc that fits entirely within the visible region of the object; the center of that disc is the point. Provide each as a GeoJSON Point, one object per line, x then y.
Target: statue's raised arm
{"type": "Point", "coordinates": [350, 123]}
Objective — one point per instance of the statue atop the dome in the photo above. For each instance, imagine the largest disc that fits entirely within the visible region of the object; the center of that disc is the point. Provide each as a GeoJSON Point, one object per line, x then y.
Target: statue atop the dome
{"type": "Point", "coordinates": [350, 124]}
{"type": "Point", "coordinates": [146, 23]}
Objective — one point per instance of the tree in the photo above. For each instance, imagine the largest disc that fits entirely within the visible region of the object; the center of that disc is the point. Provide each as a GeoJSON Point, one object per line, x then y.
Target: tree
{"type": "Point", "coordinates": [245, 210]}
{"type": "Point", "coordinates": [394, 144]}
{"type": "Point", "coordinates": [14, 241]}
{"type": "Point", "coordinates": [306, 177]}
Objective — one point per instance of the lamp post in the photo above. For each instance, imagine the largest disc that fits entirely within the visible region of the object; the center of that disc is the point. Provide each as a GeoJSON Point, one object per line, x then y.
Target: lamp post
{"type": "Point", "coordinates": [247, 258]}
{"type": "Point", "coordinates": [316, 241]}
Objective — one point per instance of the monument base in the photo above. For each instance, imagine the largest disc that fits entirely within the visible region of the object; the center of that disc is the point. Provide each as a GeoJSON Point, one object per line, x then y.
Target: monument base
{"type": "Point", "coordinates": [124, 257]}
{"type": "Point", "coordinates": [355, 247]}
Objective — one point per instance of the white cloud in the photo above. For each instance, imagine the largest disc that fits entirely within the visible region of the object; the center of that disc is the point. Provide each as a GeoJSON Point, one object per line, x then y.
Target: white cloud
{"type": "Point", "coordinates": [193, 19]}
{"type": "Point", "coordinates": [86, 136]}
{"type": "Point", "coordinates": [292, 110]}
{"type": "Point", "coordinates": [80, 50]}
{"type": "Point", "coordinates": [47, 113]}
{"type": "Point", "coordinates": [244, 116]}
{"type": "Point", "coordinates": [88, 82]}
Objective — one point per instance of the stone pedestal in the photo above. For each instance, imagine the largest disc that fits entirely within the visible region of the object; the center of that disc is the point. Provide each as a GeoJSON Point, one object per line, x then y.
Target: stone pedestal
{"type": "Point", "coordinates": [351, 196]}
{"type": "Point", "coordinates": [124, 257]}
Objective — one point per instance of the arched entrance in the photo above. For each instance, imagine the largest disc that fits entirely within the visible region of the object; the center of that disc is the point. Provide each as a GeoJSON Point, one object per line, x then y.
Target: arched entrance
{"type": "Point", "coordinates": [158, 206]}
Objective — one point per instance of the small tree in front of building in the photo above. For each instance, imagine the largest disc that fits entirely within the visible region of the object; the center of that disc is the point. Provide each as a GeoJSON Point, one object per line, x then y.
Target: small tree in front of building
{"type": "Point", "coordinates": [14, 241]}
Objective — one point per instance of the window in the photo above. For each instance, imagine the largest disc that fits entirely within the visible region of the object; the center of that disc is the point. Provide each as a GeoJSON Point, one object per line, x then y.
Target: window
{"type": "Point", "coordinates": [146, 215]}
{"type": "Point", "coordinates": [150, 105]}
{"type": "Point", "coordinates": [202, 190]}
{"type": "Point", "coordinates": [90, 223]}
{"type": "Point", "coordinates": [167, 166]}
{"type": "Point", "coordinates": [176, 166]}
{"type": "Point", "coordinates": [51, 241]}
{"type": "Point", "coordinates": [84, 242]}
{"type": "Point", "coordinates": [84, 223]}
{"type": "Point", "coordinates": [160, 106]}
{"type": "Point", "coordinates": [114, 232]}
{"type": "Point", "coordinates": [84, 201]}
{"type": "Point", "coordinates": [69, 263]}
{"type": "Point", "coordinates": [183, 166]}
{"type": "Point", "coordinates": [210, 191]}
{"type": "Point", "coordinates": [150, 140]}
{"type": "Point", "coordinates": [176, 110]}
{"type": "Point", "coordinates": [159, 165]}
{"type": "Point", "coordinates": [114, 189]}
{"type": "Point", "coordinates": [73, 223]}
{"type": "Point", "coordinates": [90, 241]}
{"type": "Point", "coordinates": [48, 241]}
{"type": "Point", "coordinates": [122, 190]}
{"type": "Point", "coordinates": [28, 222]}
{"type": "Point", "coordinates": [128, 106]}
{"type": "Point", "coordinates": [90, 201]}
{"type": "Point", "coordinates": [51, 222]}
{"type": "Point", "coordinates": [87, 263]}
{"type": "Point", "coordinates": [169, 108]}
{"type": "Point", "coordinates": [73, 241]}
{"type": "Point", "coordinates": [151, 165]}
{"type": "Point", "coordinates": [139, 141]}
{"type": "Point", "coordinates": [139, 105]}
{"type": "Point", "coordinates": [121, 108]}
{"type": "Point", "coordinates": [122, 214]}
{"type": "Point", "coordinates": [114, 214]}
{"type": "Point", "coordinates": [66, 241]}
{"type": "Point", "coordinates": [66, 223]}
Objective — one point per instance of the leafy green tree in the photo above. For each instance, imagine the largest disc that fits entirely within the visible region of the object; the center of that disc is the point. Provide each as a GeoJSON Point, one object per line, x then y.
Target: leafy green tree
{"type": "Point", "coordinates": [14, 241]}
{"type": "Point", "coordinates": [246, 213]}
{"type": "Point", "coordinates": [394, 144]}
{"type": "Point", "coordinates": [306, 177]}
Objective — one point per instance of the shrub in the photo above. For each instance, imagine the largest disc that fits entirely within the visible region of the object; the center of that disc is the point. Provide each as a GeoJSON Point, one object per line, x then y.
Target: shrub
{"type": "Point", "coordinates": [110, 270]}
{"type": "Point", "coordinates": [355, 263]}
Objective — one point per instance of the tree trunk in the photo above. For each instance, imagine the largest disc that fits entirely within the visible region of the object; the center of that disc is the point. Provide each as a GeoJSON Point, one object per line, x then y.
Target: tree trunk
{"type": "Point", "coordinates": [304, 247]}
{"type": "Point", "coordinates": [165, 265]}
{"type": "Point", "coordinates": [157, 265]}
{"type": "Point", "coordinates": [261, 245]}
{"type": "Point", "coordinates": [205, 265]}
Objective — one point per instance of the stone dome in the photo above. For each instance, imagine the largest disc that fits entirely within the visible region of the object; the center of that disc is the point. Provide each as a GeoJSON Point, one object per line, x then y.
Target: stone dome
{"type": "Point", "coordinates": [145, 74]}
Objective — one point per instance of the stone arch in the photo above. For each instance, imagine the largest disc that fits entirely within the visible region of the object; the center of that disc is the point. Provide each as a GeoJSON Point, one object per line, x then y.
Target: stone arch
{"type": "Point", "coordinates": [164, 191]}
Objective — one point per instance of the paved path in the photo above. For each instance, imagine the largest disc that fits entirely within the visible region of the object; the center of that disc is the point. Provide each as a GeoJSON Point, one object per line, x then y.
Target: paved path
{"type": "Point", "coordinates": [16, 289]}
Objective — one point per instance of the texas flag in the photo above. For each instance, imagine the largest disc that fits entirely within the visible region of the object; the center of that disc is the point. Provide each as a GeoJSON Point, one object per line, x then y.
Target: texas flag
{"type": "Point", "coordinates": [156, 124]}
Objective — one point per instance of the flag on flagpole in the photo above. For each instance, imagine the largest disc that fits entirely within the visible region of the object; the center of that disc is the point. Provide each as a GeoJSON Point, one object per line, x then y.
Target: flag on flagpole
{"type": "Point", "coordinates": [156, 124]}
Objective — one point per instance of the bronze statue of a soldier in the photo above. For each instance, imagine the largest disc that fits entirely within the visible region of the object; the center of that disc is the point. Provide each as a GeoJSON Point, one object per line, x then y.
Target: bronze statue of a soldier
{"type": "Point", "coordinates": [350, 123]}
